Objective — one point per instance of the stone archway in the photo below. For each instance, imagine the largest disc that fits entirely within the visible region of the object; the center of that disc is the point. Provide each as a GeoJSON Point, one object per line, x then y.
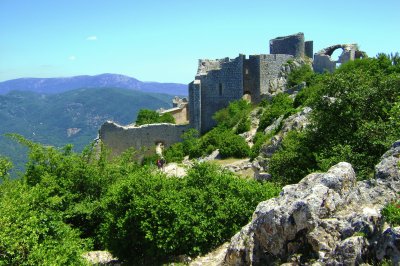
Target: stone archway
{"type": "Point", "coordinates": [323, 60]}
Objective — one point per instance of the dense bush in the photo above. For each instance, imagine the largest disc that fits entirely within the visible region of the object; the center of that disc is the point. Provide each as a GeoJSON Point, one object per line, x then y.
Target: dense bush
{"type": "Point", "coordinates": [5, 167]}
{"type": "Point", "coordinates": [228, 143]}
{"type": "Point", "coordinates": [236, 115]}
{"type": "Point", "coordinates": [31, 233]}
{"type": "Point", "coordinates": [293, 160]}
{"type": "Point", "coordinates": [301, 74]}
{"type": "Point", "coordinates": [146, 116]}
{"type": "Point", "coordinates": [391, 213]}
{"type": "Point", "coordinates": [354, 116]}
{"type": "Point", "coordinates": [280, 105]}
{"type": "Point", "coordinates": [258, 141]}
{"type": "Point", "coordinates": [77, 182]}
{"type": "Point", "coordinates": [150, 217]}
{"type": "Point", "coordinates": [190, 145]}
{"type": "Point", "coordinates": [68, 202]}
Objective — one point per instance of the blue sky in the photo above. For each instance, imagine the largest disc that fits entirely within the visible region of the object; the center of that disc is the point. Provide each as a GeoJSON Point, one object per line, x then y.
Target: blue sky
{"type": "Point", "coordinates": [161, 40]}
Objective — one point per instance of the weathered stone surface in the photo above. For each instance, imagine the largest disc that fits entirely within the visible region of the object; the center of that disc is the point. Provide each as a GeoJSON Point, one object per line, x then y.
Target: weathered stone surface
{"type": "Point", "coordinates": [389, 245]}
{"type": "Point", "coordinates": [221, 81]}
{"type": "Point", "coordinates": [119, 138]}
{"type": "Point", "coordinates": [324, 62]}
{"type": "Point", "coordinates": [297, 121]}
{"type": "Point", "coordinates": [327, 217]}
{"type": "Point", "coordinates": [100, 257]}
{"type": "Point", "coordinates": [292, 44]}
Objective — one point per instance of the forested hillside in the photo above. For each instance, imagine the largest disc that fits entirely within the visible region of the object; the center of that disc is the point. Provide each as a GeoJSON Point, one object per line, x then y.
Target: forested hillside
{"type": "Point", "coordinates": [70, 117]}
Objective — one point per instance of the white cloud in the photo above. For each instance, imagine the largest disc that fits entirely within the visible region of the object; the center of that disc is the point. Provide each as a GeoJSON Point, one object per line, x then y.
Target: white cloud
{"type": "Point", "coordinates": [72, 58]}
{"type": "Point", "coordinates": [91, 38]}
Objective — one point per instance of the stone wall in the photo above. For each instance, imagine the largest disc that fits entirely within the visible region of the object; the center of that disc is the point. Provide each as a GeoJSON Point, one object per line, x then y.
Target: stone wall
{"type": "Point", "coordinates": [195, 104]}
{"type": "Point", "coordinates": [309, 49]}
{"type": "Point", "coordinates": [271, 80]}
{"type": "Point", "coordinates": [119, 138]}
{"type": "Point", "coordinates": [251, 78]}
{"type": "Point", "coordinates": [221, 81]}
{"type": "Point", "coordinates": [218, 88]}
{"type": "Point", "coordinates": [180, 114]}
{"type": "Point", "coordinates": [291, 45]}
{"type": "Point", "coordinates": [324, 62]}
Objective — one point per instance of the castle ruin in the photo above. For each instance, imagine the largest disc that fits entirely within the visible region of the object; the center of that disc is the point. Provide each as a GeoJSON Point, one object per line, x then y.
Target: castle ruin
{"type": "Point", "coordinates": [179, 110]}
{"type": "Point", "coordinates": [221, 81]}
{"type": "Point", "coordinates": [324, 62]}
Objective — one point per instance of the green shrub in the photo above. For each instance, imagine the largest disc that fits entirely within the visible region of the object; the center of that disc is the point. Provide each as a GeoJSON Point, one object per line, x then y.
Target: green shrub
{"type": "Point", "coordinates": [243, 125]}
{"type": "Point", "coordinates": [279, 105]}
{"type": "Point", "coordinates": [259, 140]}
{"type": "Point", "coordinates": [5, 167]}
{"type": "Point", "coordinates": [190, 145]}
{"type": "Point", "coordinates": [150, 217]}
{"type": "Point", "coordinates": [229, 144]}
{"type": "Point", "coordinates": [301, 74]}
{"type": "Point", "coordinates": [354, 116]}
{"type": "Point", "coordinates": [175, 153]}
{"type": "Point", "coordinates": [76, 182]}
{"type": "Point", "coordinates": [236, 114]}
{"type": "Point", "coordinates": [146, 116]}
{"type": "Point", "coordinates": [31, 233]}
{"type": "Point", "coordinates": [293, 160]}
{"type": "Point", "coordinates": [391, 213]}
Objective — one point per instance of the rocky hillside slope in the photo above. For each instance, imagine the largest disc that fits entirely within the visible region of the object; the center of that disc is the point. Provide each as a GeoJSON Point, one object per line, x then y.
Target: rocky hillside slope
{"type": "Point", "coordinates": [326, 219]}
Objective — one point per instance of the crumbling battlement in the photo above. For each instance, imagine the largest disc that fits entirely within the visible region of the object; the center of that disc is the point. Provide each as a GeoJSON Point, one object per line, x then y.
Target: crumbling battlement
{"type": "Point", "coordinates": [292, 45]}
{"type": "Point", "coordinates": [119, 138]}
{"type": "Point", "coordinates": [221, 81]}
{"type": "Point", "coordinates": [324, 62]}
{"type": "Point", "coordinates": [179, 110]}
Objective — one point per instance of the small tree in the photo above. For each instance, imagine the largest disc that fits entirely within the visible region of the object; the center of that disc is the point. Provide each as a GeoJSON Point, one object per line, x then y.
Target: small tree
{"type": "Point", "coordinates": [146, 116]}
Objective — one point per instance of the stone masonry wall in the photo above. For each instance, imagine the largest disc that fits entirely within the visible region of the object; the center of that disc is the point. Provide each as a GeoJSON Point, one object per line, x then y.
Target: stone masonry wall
{"type": "Point", "coordinates": [119, 138]}
{"type": "Point", "coordinates": [251, 78]}
{"type": "Point", "coordinates": [180, 114]}
{"type": "Point", "coordinates": [292, 45]}
{"type": "Point", "coordinates": [219, 88]}
{"type": "Point", "coordinates": [270, 69]}
{"type": "Point", "coordinates": [195, 104]}
{"type": "Point", "coordinates": [309, 49]}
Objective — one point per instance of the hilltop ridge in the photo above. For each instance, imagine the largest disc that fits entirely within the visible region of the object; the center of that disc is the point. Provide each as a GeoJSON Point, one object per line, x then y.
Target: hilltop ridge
{"type": "Point", "coordinates": [62, 84]}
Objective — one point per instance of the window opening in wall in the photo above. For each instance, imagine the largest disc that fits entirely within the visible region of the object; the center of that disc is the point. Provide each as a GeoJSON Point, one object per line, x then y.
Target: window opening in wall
{"type": "Point", "coordinates": [220, 89]}
{"type": "Point", "coordinates": [246, 71]}
{"type": "Point", "coordinates": [336, 56]}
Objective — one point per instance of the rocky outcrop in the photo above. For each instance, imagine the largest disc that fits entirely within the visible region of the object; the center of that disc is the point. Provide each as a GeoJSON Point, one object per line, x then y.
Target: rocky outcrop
{"type": "Point", "coordinates": [297, 121]}
{"type": "Point", "coordinates": [328, 218]}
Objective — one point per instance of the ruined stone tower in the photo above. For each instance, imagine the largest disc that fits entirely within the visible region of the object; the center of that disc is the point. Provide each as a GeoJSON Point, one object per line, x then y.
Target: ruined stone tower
{"type": "Point", "coordinates": [220, 81]}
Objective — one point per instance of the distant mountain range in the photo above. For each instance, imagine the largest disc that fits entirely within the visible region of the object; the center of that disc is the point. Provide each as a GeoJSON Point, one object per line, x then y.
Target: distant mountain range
{"type": "Point", "coordinates": [59, 85]}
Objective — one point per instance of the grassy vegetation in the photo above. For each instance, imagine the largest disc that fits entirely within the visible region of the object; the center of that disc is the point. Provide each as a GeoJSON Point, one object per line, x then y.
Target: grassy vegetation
{"type": "Point", "coordinates": [69, 202]}
{"type": "Point", "coordinates": [391, 213]}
